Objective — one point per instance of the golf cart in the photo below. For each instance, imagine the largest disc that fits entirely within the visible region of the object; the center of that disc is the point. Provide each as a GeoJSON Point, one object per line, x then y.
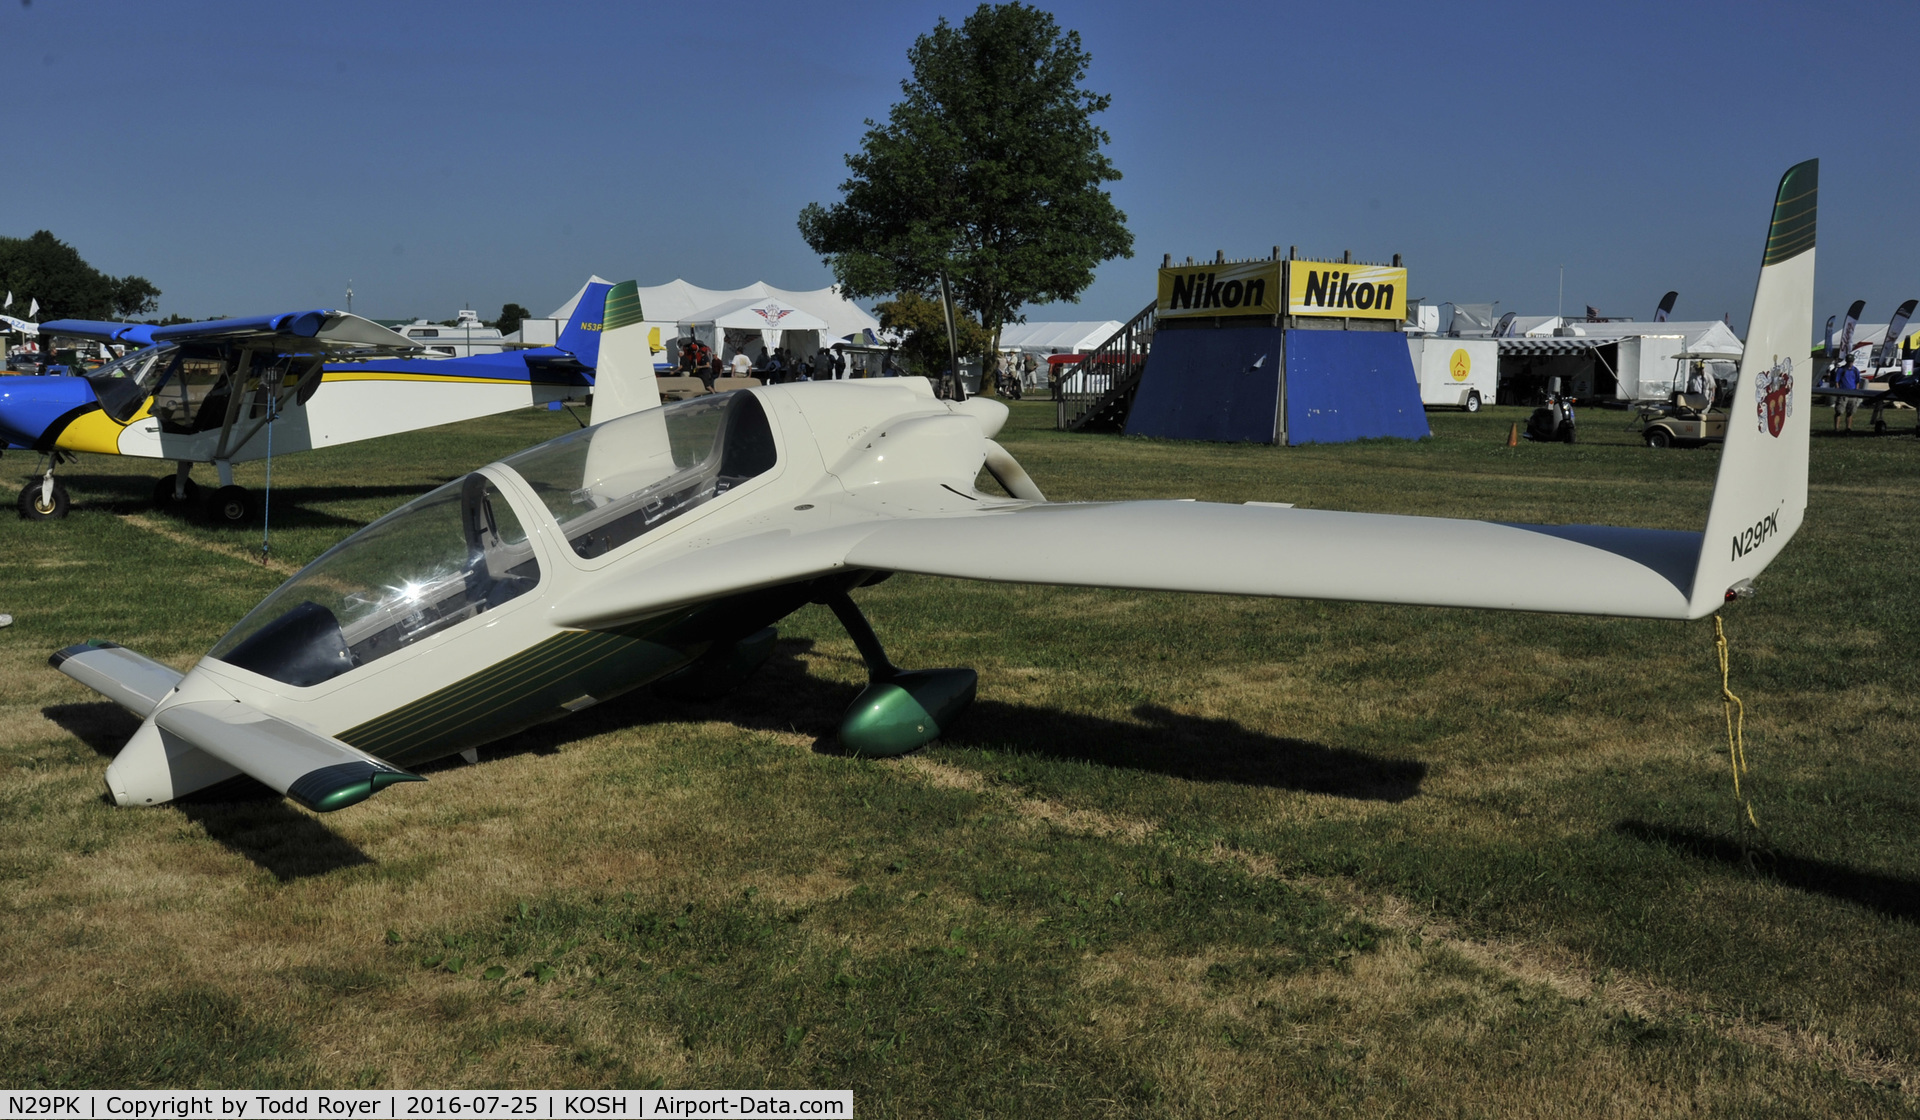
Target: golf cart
{"type": "Point", "coordinates": [1688, 417]}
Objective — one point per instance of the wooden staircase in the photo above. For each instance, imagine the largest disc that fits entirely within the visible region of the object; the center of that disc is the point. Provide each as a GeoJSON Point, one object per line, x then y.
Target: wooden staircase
{"type": "Point", "coordinates": [1097, 394]}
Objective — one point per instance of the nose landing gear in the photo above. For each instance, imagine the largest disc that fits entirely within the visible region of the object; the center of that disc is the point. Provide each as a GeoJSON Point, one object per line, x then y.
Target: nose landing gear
{"type": "Point", "coordinates": [45, 498]}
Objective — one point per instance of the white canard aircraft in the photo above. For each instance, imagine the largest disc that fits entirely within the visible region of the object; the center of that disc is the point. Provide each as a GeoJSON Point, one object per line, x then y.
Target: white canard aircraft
{"type": "Point", "coordinates": [661, 547]}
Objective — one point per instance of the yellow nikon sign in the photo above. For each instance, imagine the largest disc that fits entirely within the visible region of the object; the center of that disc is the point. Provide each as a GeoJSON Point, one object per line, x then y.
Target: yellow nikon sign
{"type": "Point", "coordinates": [1355, 291]}
{"type": "Point", "coordinates": [1247, 288]}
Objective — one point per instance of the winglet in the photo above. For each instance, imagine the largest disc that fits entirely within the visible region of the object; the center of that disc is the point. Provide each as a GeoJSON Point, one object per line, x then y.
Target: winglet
{"type": "Point", "coordinates": [1760, 496]}
{"type": "Point", "coordinates": [623, 379]}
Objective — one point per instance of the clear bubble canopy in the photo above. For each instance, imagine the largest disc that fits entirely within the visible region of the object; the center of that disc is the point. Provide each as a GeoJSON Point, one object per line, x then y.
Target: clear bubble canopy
{"type": "Point", "coordinates": [463, 549]}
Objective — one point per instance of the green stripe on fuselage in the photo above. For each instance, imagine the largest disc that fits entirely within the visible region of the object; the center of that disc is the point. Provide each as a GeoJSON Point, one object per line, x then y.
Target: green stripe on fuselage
{"type": "Point", "coordinates": [534, 685]}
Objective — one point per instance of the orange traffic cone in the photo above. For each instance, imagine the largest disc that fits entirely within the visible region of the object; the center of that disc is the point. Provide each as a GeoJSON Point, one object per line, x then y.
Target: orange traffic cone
{"type": "Point", "coordinates": [1513, 435]}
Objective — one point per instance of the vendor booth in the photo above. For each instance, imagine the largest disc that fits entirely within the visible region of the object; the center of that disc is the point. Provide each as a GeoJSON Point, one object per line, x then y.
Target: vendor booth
{"type": "Point", "coordinates": [755, 326]}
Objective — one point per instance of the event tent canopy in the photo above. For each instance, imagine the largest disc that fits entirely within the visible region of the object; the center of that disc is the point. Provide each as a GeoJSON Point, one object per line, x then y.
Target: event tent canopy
{"type": "Point", "coordinates": [1057, 338]}
{"type": "Point", "coordinates": [765, 314]}
{"type": "Point", "coordinates": [668, 305]}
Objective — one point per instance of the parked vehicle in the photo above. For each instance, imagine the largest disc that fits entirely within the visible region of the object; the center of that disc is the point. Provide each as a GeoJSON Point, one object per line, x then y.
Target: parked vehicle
{"type": "Point", "coordinates": [1682, 420]}
{"type": "Point", "coordinates": [1455, 372]}
{"type": "Point", "coordinates": [1553, 422]}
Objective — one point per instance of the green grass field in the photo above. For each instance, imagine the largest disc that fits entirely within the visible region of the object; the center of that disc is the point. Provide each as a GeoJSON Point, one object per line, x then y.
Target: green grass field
{"type": "Point", "coordinates": [1186, 856]}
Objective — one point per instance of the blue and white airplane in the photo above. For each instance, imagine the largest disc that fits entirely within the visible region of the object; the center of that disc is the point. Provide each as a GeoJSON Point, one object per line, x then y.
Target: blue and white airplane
{"type": "Point", "coordinates": [232, 390]}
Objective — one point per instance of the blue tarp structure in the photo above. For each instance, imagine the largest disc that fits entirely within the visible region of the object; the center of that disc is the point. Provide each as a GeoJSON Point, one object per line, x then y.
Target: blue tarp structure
{"type": "Point", "coordinates": [1348, 385]}
{"type": "Point", "coordinates": [1228, 385]}
{"type": "Point", "coordinates": [1220, 385]}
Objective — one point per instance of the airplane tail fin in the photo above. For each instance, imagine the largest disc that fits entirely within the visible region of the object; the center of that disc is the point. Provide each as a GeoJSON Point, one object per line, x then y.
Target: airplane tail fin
{"type": "Point", "coordinates": [623, 380]}
{"type": "Point", "coordinates": [1760, 496]}
{"type": "Point", "coordinates": [581, 336]}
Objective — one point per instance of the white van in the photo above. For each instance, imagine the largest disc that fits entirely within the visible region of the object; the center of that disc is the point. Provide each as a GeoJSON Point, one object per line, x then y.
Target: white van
{"type": "Point", "coordinates": [1455, 372]}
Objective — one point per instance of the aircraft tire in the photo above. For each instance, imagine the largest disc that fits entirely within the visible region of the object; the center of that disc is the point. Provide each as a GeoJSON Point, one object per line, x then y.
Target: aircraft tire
{"type": "Point", "coordinates": [230, 505]}
{"type": "Point", "coordinates": [163, 493]}
{"type": "Point", "coordinates": [32, 510]}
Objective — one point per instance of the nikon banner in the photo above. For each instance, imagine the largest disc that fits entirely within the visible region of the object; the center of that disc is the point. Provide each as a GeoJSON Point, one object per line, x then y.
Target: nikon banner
{"type": "Point", "coordinates": [1245, 288]}
{"type": "Point", "coordinates": [1357, 291]}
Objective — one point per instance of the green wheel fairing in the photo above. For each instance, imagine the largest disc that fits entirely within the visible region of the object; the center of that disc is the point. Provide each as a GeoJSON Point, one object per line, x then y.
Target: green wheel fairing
{"type": "Point", "coordinates": [907, 711]}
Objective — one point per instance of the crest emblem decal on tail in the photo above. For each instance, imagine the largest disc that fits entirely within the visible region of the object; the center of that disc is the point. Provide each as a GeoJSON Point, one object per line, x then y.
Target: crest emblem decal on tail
{"type": "Point", "coordinates": [1773, 396]}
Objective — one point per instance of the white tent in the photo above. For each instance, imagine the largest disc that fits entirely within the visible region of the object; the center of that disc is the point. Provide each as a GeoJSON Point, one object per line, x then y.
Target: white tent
{"type": "Point", "coordinates": [740, 319]}
{"type": "Point", "coordinates": [667, 305]}
{"type": "Point", "coordinates": [1867, 340]}
{"type": "Point", "coordinates": [1057, 338]}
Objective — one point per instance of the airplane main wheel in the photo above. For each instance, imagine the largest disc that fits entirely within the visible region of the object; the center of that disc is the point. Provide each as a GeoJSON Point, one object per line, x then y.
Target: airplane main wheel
{"type": "Point", "coordinates": [163, 493]}
{"type": "Point", "coordinates": [231, 505]}
{"type": "Point", "coordinates": [33, 507]}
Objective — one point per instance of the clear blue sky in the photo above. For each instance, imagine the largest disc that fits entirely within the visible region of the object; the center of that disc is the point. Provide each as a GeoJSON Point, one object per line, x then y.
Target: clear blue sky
{"type": "Point", "coordinates": [253, 157]}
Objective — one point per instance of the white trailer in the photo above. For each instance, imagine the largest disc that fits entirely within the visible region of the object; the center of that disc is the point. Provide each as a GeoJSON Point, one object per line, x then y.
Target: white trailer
{"type": "Point", "coordinates": [1455, 372]}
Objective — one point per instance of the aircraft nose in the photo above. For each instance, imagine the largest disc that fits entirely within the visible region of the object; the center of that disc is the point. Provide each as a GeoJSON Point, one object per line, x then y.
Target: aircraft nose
{"type": "Point", "coordinates": [30, 406]}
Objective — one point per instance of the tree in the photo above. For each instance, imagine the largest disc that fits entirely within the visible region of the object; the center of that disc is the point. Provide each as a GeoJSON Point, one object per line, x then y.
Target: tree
{"type": "Point", "coordinates": [924, 323]}
{"type": "Point", "coordinates": [989, 171]}
{"type": "Point", "coordinates": [45, 268]}
{"type": "Point", "coordinates": [511, 315]}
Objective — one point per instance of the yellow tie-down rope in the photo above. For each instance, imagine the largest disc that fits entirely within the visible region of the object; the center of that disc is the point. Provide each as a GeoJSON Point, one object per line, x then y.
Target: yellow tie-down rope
{"type": "Point", "coordinates": [1736, 713]}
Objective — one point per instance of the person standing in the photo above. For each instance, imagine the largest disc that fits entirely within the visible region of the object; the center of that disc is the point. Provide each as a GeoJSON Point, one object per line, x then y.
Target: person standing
{"type": "Point", "coordinates": [1848, 378]}
{"type": "Point", "coordinates": [742, 365]}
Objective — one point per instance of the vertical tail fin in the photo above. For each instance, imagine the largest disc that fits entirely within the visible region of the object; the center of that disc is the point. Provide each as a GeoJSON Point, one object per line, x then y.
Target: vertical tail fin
{"type": "Point", "coordinates": [623, 380]}
{"type": "Point", "coordinates": [1760, 496]}
{"type": "Point", "coordinates": [581, 336]}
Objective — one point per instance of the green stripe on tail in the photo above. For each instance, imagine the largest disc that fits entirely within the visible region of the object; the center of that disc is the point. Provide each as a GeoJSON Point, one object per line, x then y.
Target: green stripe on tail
{"type": "Point", "coordinates": [623, 306]}
{"type": "Point", "coordinates": [1793, 214]}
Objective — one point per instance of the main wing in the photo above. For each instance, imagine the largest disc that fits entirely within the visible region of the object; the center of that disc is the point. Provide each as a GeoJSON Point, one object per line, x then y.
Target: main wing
{"type": "Point", "coordinates": [1303, 554]}
{"type": "Point", "coordinates": [904, 515]}
{"type": "Point", "coordinates": [295, 332]}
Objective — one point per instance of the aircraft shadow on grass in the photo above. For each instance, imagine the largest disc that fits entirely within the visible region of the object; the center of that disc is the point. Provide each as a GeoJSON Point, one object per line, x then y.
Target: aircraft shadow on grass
{"type": "Point", "coordinates": [256, 823]}
{"type": "Point", "coordinates": [1894, 897]}
{"type": "Point", "coordinates": [784, 696]}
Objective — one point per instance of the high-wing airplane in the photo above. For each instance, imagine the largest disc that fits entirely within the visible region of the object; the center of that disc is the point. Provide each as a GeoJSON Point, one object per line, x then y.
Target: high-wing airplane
{"type": "Point", "coordinates": [233, 390]}
{"type": "Point", "coordinates": [662, 546]}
